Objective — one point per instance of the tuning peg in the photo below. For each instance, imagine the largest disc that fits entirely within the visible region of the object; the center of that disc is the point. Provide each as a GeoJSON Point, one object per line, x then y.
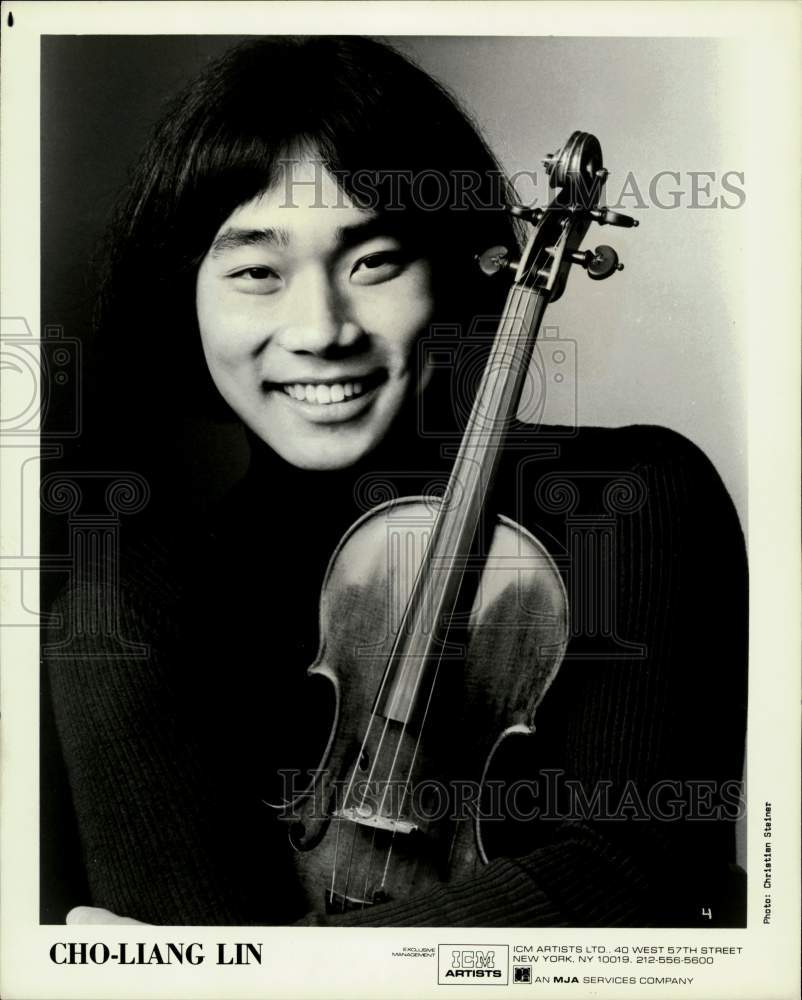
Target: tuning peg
{"type": "Point", "coordinates": [600, 264]}
{"type": "Point", "coordinates": [607, 217]}
{"type": "Point", "coordinates": [494, 260]}
{"type": "Point", "coordinates": [533, 215]}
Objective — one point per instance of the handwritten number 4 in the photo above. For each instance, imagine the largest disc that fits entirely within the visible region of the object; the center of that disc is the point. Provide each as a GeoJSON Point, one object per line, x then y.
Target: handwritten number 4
{"type": "Point", "coordinates": [707, 912]}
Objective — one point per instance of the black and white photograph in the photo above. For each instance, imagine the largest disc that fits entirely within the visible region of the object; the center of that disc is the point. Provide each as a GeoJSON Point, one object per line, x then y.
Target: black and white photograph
{"type": "Point", "coordinates": [401, 466]}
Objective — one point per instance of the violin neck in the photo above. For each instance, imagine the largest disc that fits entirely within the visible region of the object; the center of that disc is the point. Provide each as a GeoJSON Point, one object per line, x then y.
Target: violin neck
{"type": "Point", "coordinates": [494, 409]}
{"type": "Point", "coordinates": [435, 593]}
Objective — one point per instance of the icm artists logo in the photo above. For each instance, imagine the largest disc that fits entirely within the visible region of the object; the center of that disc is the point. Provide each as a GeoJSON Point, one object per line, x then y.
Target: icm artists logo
{"type": "Point", "coordinates": [473, 963]}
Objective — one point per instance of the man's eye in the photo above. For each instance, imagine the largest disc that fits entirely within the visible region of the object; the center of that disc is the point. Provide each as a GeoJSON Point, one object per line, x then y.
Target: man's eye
{"type": "Point", "coordinates": [378, 267]}
{"type": "Point", "coordinates": [259, 280]}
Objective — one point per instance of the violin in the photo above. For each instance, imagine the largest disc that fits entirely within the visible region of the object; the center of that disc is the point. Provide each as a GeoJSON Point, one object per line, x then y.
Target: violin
{"type": "Point", "coordinates": [434, 664]}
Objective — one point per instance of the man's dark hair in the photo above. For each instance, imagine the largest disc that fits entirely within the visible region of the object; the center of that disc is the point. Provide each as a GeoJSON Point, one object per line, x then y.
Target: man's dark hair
{"type": "Point", "coordinates": [393, 137]}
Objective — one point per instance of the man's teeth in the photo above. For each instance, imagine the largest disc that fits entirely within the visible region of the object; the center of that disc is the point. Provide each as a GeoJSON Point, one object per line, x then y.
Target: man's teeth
{"type": "Point", "coordinates": [322, 394]}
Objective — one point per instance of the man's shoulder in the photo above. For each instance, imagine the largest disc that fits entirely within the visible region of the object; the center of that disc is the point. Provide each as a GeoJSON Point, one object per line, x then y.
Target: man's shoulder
{"type": "Point", "coordinates": [633, 446]}
{"type": "Point", "coordinates": [638, 470]}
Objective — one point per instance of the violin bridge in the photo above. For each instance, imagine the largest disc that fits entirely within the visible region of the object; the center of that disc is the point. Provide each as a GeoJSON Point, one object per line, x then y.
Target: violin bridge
{"type": "Point", "coordinates": [367, 817]}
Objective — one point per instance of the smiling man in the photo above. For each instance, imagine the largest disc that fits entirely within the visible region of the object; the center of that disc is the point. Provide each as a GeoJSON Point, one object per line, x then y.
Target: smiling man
{"type": "Point", "coordinates": [249, 277]}
{"type": "Point", "coordinates": [309, 314]}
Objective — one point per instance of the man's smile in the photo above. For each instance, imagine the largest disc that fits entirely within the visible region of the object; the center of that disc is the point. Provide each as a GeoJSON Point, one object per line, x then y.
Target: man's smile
{"type": "Point", "coordinates": [324, 394]}
{"type": "Point", "coordinates": [325, 391]}
{"type": "Point", "coordinates": [328, 400]}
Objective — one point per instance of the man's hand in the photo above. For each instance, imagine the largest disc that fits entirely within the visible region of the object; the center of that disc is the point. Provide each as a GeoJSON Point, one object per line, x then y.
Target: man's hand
{"type": "Point", "coordinates": [97, 915]}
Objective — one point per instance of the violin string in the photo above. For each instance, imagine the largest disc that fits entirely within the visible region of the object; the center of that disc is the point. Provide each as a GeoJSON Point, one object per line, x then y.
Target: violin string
{"type": "Point", "coordinates": [509, 320]}
{"type": "Point", "coordinates": [410, 770]}
{"type": "Point", "coordinates": [385, 677]}
{"type": "Point", "coordinates": [379, 812]}
{"type": "Point", "coordinates": [431, 691]}
{"type": "Point", "coordinates": [334, 866]}
{"type": "Point", "coordinates": [350, 861]}
{"type": "Point", "coordinates": [380, 743]}
{"type": "Point", "coordinates": [368, 870]}
{"type": "Point", "coordinates": [388, 784]}
{"type": "Point", "coordinates": [373, 717]}
{"type": "Point", "coordinates": [461, 458]}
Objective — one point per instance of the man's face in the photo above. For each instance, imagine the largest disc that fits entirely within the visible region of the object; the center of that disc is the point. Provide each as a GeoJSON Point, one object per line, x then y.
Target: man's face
{"type": "Point", "coordinates": [309, 311]}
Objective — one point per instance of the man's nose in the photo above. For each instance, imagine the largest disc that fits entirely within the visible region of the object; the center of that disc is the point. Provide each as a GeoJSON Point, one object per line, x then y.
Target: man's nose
{"type": "Point", "coordinates": [319, 319]}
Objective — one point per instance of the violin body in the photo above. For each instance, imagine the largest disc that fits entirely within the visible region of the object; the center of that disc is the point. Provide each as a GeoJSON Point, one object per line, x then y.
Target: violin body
{"type": "Point", "coordinates": [493, 667]}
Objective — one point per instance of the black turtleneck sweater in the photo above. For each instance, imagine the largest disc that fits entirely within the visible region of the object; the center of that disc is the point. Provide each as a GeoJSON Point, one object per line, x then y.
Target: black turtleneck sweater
{"type": "Point", "coordinates": [170, 745]}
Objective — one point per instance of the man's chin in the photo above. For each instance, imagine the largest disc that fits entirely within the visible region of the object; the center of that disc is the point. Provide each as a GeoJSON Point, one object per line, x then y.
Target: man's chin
{"type": "Point", "coordinates": [324, 447]}
{"type": "Point", "coordinates": [322, 457]}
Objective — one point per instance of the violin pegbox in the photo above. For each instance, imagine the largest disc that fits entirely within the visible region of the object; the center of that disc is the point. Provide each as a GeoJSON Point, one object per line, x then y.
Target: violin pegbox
{"type": "Point", "coordinates": [578, 175]}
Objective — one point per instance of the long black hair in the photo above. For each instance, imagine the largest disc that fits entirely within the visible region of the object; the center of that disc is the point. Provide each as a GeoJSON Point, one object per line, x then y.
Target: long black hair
{"type": "Point", "coordinates": [394, 138]}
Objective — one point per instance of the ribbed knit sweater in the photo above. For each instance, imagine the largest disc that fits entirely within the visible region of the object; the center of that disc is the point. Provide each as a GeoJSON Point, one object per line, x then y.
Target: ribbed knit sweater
{"type": "Point", "coordinates": [170, 738]}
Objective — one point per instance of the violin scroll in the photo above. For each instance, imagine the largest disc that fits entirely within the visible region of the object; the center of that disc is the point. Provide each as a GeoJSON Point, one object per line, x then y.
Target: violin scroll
{"type": "Point", "coordinates": [577, 173]}
{"type": "Point", "coordinates": [578, 164]}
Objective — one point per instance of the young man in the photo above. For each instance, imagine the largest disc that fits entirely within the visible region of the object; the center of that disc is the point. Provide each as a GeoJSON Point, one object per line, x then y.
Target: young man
{"type": "Point", "coordinates": [274, 260]}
